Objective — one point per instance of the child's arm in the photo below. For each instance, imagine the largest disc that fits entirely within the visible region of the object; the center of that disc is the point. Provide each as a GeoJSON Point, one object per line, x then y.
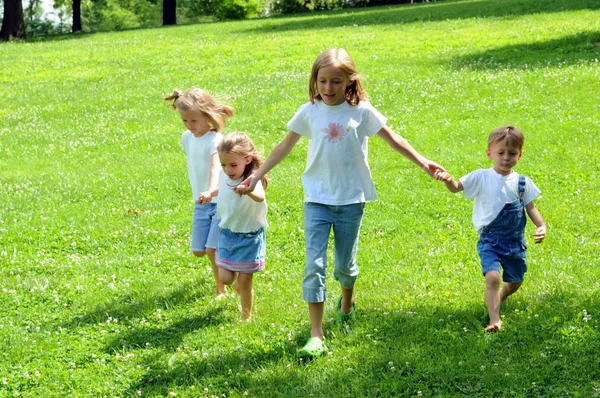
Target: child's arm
{"type": "Point", "coordinates": [400, 145]}
{"type": "Point", "coordinates": [213, 181]}
{"type": "Point", "coordinates": [258, 195]}
{"type": "Point", "coordinates": [451, 184]}
{"type": "Point", "coordinates": [536, 217]}
{"type": "Point", "coordinates": [277, 155]}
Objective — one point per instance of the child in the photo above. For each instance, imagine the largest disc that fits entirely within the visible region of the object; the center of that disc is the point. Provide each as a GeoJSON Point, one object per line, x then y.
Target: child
{"type": "Point", "coordinates": [204, 119]}
{"type": "Point", "coordinates": [242, 245]}
{"type": "Point", "coordinates": [337, 181]}
{"type": "Point", "coordinates": [501, 198]}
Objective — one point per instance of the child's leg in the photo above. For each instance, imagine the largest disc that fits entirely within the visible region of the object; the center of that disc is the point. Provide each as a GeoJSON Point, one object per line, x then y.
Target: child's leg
{"type": "Point", "coordinates": [211, 253]}
{"type": "Point", "coordinates": [315, 314]}
{"type": "Point", "coordinates": [492, 299]}
{"type": "Point", "coordinates": [225, 276]}
{"type": "Point", "coordinates": [244, 282]}
{"type": "Point", "coordinates": [509, 288]}
{"type": "Point", "coordinates": [346, 230]}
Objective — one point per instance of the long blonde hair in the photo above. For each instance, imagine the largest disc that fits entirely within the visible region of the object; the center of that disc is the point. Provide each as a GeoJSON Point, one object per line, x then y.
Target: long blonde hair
{"type": "Point", "coordinates": [339, 58]}
{"type": "Point", "coordinates": [241, 145]}
{"type": "Point", "coordinates": [198, 100]}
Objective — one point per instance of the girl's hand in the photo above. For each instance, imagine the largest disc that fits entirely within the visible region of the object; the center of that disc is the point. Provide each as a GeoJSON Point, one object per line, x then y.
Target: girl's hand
{"type": "Point", "coordinates": [539, 234]}
{"type": "Point", "coordinates": [431, 168]}
{"type": "Point", "coordinates": [443, 176]}
{"type": "Point", "coordinates": [246, 186]}
{"type": "Point", "coordinates": [204, 198]}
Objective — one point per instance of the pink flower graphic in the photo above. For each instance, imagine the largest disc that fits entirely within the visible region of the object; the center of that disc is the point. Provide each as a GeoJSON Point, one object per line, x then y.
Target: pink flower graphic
{"type": "Point", "coordinates": [335, 132]}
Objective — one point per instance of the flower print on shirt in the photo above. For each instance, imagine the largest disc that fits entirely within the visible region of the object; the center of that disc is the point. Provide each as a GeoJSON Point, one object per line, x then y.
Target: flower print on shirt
{"type": "Point", "coordinates": [335, 132]}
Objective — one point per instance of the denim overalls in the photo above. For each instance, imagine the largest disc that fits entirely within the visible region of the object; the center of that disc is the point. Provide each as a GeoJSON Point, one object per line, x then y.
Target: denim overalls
{"type": "Point", "coordinates": [501, 242]}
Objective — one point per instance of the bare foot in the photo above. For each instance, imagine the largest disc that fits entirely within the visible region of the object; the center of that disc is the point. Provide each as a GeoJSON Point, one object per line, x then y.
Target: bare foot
{"type": "Point", "coordinates": [494, 327]}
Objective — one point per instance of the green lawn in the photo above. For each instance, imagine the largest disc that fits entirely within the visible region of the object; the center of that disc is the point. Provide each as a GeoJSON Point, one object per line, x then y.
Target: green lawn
{"type": "Point", "coordinates": [99, 295]}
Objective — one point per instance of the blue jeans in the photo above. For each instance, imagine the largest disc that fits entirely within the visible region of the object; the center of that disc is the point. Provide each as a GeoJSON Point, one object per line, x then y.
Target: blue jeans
{"type": "Point", "coordinates": [205, 227]}
{"type": "Point", "coordinates": [318, 222]}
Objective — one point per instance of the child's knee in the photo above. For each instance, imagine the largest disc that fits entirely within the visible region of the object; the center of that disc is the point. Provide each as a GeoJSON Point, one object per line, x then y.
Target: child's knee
{"type": "Point", "coordinates": [492, 279]}
{"type": "Point", "coordinates": [199, 253]}
{"type": "Point", "coordinates": [226, 277]}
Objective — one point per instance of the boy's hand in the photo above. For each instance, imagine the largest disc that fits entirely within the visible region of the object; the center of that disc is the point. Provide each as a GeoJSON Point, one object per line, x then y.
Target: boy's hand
{"type": "Point", "coordinates": [442, 176]}
{"type": "Point", "coordinates": [539, 234]}
{"type": "Point", "coordinates": [204, 198]}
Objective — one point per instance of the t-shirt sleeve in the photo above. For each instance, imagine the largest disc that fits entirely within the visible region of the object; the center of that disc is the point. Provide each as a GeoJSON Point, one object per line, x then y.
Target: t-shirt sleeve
{"type": "Point", "coordinates": [299, 123]}
{"type": "Point", "coordinates": [471, 183]}
{"type": "Point", "coordinates": [375, 121]}
{"type": "Point", "coordinates": [216, 141]}
{"type": "Point", "coordinates": [531, 191]}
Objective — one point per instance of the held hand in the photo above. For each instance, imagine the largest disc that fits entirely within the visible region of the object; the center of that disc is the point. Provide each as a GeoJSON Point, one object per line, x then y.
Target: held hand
{"type": "Point", "coordinates": [539, 234]}
{"type": "Point", "coordinates": [246, 186]}
{"type": "Point", "coordinates": [432, 168]}
{"type": "Point", "coordinates": [204, 198]}
{"type": "Point", "coordinates": [443, 176]}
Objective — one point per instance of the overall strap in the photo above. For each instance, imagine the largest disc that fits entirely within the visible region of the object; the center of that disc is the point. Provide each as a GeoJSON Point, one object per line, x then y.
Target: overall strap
{"type": "Point", "coordinates": [521, 187]}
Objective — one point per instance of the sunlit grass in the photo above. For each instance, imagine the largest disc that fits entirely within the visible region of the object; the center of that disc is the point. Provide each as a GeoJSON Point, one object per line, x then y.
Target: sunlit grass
{"type": "Point", "coordinates": [100, 296]}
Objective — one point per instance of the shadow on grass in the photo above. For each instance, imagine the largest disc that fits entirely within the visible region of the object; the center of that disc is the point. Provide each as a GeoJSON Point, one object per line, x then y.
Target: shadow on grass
{"type": "Point", "coordinates": [546, 347]}
{"type": "Point", "coordinates": [423, 12]}
{"type": "Point", "coordinates": [566, 51]}
{"type": "Point", "coordinates": [130, 306]}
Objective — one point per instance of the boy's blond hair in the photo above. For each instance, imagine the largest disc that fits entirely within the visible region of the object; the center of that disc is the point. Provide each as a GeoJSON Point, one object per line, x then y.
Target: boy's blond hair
{"type": "Point", "coordinates": [513, 135]}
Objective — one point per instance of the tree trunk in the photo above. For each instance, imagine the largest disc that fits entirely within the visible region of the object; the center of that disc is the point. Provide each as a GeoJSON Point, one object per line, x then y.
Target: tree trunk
{"type": "Point", "coordinates": [169, 12]}
{"type": "Point", "coordinates": [76, 16]}
{"type": "Point", "coordinates": [13, 24]}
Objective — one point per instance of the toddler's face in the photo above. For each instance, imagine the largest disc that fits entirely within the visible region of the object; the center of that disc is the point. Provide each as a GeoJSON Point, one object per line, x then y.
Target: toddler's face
{"type": "Point", "coordinates": [233, 165]}
{"type": "Point", "coordinates": [332, 83]}
{"type": "Point", "coordinates": [504, 155]}
{"type": "Point", "coordinates": [195, 122]}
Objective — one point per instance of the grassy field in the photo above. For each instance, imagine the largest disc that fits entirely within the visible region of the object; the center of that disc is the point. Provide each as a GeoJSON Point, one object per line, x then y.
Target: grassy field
{"type": "Point", "coordinates": [99, 295]}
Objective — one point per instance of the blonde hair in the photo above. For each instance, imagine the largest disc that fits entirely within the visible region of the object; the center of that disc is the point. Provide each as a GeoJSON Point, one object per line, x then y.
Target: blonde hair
{"type": "Point", "coordinates": [513, 135]}
{"type": "Point", "coordinates": [339, 58]}
{"type": "Point", "coordinates": [198, 100]}
{"type": "Point", "coordinates": [241, 145]}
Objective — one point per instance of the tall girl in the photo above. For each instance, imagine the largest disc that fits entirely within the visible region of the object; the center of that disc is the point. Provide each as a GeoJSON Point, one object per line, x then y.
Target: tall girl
{"type": "Point", "coordinates": [204, 118]}
{"type": "Point", "coordinates": [242, 245]}
{"type": "Point", "coordinates": [337, 182]}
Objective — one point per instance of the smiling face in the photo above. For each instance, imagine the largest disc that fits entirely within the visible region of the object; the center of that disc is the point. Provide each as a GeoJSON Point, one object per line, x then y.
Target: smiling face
{"type": "Point", "coordinates": [505, 156]}
{"type": "Point", "coordinates": [196, 122]}
{"type": "Point", "coordinates": [332, 83]}
{"type": "Point", "coordinates": [234, 165]}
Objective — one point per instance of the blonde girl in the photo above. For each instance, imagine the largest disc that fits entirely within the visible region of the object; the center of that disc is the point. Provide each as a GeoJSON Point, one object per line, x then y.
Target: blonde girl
{"type": "Point", "coordinates": [204, 118]}
{"type": "Point", "coordinates": [337, 182]}
{"type": "Point", "coordinates": [242, 245]}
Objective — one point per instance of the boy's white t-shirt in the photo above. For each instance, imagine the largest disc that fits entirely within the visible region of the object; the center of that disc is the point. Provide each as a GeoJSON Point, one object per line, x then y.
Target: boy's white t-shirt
{"type": "Point", "coordinates": [492, 191]}
{"type": "Point", "coordinates": [199, 152]}
{"type": "Point", "coordinates": [337, 171]}
{"type": "Point", "coordinates": [239, 213]}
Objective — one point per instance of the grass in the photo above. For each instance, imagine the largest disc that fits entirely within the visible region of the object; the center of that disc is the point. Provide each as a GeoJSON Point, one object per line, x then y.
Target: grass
{"type": "Point", "coordinates": [99, 295]}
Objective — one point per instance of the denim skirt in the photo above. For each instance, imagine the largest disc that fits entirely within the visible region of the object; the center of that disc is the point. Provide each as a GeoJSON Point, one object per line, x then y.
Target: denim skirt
{"type": "Point", "coordinates": [242, 252]}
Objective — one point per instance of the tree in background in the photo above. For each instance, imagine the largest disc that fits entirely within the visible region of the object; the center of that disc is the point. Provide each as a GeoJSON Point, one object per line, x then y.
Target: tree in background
{"type": "Point", "coordinates": [169, 12]}
{"type": "Point", "coordinates": [13, 24]}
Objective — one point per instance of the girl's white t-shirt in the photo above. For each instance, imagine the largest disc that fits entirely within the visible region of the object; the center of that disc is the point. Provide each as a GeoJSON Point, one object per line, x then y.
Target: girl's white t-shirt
{"type": "Point", "coordinates": [492, 191]}
{"type": "Point", "coordinates": [337, 171]}
{"type": "Point", "coordinates": [239, 213]}
{"type": "Point", "coordinates": [199, 152]}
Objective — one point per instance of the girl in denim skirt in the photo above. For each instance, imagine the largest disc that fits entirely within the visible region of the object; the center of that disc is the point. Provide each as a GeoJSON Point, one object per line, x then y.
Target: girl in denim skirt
{"type": "Point", "coordinates": [242, 245]}
{"type": "Point", "coordinates": [205, 118]}
{"type": "Point", "coordinates": [338, 121]}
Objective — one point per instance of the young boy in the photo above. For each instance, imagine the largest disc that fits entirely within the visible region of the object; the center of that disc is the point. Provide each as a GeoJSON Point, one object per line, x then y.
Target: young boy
{"type": "Point", "coordinates": [501, 198]}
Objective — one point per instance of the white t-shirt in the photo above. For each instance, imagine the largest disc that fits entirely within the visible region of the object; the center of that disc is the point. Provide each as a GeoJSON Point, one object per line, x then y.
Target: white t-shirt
{"type": "Point", "coordinates": [199, 151]}
{"type": "Point", "coordinates": [492, 191]}
{"type": "Point", "coordinates": [337, 171]}
{"type": "Point", "coordinates": [240, 213]}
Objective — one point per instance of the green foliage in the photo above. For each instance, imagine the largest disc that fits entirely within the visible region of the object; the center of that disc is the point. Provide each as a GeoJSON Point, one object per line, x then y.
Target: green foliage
{"type": "Point", "coordinates": [235, 9]}
{"type": "Point", "coordinates": [107, 15]}
{"type": "Point", "coordinates": [99, 295]}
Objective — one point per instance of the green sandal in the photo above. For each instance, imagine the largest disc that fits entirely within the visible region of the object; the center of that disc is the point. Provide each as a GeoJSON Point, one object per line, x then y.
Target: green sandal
{"type": "Point", "coordinates": [342, 318]}
{"type": "Point", "coordinates": [314, 347]}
